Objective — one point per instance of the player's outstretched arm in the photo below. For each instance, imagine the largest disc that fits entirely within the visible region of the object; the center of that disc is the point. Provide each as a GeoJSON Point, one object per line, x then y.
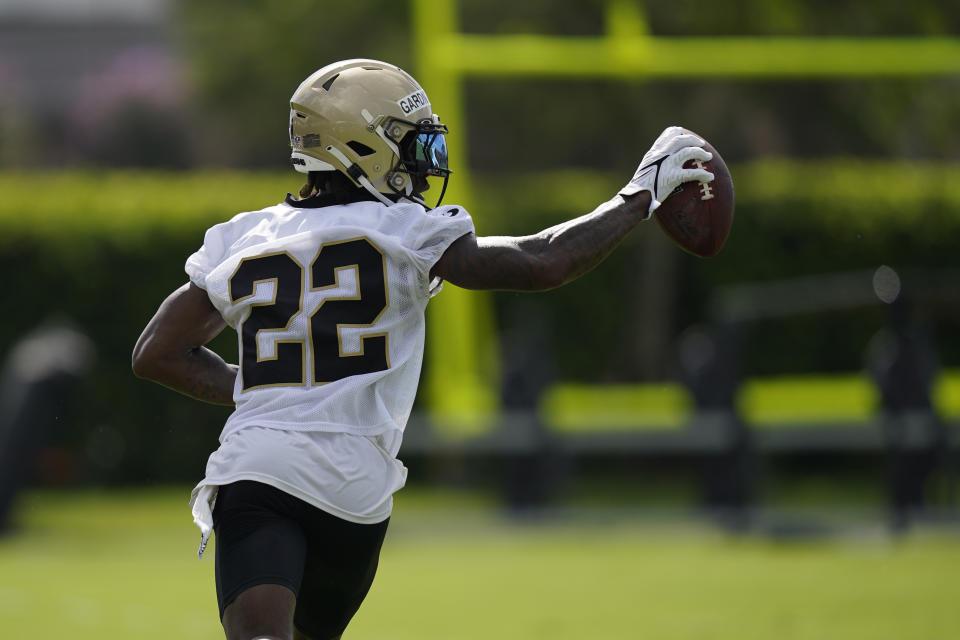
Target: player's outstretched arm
{"type": "Point", "coordinates": [170, 349]}
{"type": "Point", "coordinates": [546, 260]}
{"type": "Point", "coordinates": [563, 253]}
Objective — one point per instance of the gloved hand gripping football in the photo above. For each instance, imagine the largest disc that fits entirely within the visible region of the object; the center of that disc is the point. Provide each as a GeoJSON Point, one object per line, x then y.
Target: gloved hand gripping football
{"type": "Point", "coordinates": [661, 170]}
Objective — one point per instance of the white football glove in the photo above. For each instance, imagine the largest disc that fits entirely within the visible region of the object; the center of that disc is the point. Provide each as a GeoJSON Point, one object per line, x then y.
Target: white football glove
{"type": "Point", "coordinates": [661, 170]}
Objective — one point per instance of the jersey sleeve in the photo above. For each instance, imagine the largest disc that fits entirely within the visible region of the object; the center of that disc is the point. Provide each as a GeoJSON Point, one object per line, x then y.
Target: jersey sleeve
{"type": "Point", "coordinates": [218, 244]}
{"type": "Point", "coordinates": [209, 255]}
{"type": "Point", "coordinates": [440, 228]}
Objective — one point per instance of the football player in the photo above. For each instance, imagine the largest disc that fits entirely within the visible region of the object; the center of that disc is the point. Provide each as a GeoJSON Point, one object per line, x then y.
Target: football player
{"type": "Point", "coordinates": [327, 294]}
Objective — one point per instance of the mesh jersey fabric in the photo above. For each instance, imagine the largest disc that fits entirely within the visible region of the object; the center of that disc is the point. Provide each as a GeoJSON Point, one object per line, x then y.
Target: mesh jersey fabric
{"type": "Point", "coordinates": [410, 240]}
{"type": "Point", "coordinates": [332, 443]}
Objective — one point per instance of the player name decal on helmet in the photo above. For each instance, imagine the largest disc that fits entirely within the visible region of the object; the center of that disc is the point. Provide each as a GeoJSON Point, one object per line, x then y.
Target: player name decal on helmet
{"type": "Point", "coordinates": [412, 102]}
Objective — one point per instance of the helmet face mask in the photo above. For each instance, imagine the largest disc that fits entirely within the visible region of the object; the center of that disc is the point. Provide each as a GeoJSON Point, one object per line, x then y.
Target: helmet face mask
{"type": "Point", "coordinates": [423, 147]}
{"type": "Point", "coordinates": [372, 122]}
{"type": "Point", "coordinates": [423, 151]}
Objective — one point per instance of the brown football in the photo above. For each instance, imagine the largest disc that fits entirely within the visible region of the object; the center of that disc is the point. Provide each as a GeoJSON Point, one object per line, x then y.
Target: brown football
{"type": "Point", "coordinates": [698, 215]}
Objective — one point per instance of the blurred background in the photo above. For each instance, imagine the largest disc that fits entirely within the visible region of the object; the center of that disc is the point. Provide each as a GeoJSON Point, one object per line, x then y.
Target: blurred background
{"type": "Point", "coordinates": [804, 385]}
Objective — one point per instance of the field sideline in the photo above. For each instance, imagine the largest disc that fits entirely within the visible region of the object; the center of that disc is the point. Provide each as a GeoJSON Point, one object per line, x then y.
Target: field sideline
{"type": "Point", "coordinates": [121, 564]}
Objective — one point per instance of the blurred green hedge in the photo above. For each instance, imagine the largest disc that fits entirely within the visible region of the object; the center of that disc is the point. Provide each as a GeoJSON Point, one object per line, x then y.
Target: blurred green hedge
{"type": "Point", "coordinates": [793, 219]}
{"type": "Point", "coordinates": [102, 249]}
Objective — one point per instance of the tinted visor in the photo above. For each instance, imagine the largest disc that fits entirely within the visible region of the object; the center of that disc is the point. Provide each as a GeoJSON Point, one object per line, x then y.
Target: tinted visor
{"type": "Point", "coordinates": [423, 147]}
{"type": "Point", "coordinates": [431, 149]}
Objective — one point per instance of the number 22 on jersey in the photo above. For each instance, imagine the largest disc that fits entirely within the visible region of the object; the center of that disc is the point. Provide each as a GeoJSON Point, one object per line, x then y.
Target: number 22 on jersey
{"type": "Point", "coordinates": [324, 348]}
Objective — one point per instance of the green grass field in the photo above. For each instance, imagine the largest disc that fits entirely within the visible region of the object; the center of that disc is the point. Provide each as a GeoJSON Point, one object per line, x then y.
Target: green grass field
{"type": "Point", "coordinates": [122, 564]}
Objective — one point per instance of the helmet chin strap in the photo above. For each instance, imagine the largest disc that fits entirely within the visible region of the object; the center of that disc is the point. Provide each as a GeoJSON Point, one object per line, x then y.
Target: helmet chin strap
{"type": "Point", "coordinates": [355, 172]}
{"type": "Point", "coordinates": [373, 190]}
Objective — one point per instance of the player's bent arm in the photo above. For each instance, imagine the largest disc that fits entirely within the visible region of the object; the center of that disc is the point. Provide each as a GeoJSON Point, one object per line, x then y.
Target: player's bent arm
{"type": "Point", "coordinates": [171, 349]}
{"type": "Point", "coordinates": [546, 260]}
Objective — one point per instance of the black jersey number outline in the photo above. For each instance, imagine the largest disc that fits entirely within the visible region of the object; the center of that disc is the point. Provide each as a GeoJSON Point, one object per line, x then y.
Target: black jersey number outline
{"type": "Point", "coordinates": [287, 367]}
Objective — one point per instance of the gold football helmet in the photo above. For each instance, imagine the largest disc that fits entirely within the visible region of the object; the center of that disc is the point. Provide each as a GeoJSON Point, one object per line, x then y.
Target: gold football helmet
{"type": "Point", "coordinates": [371, 121]}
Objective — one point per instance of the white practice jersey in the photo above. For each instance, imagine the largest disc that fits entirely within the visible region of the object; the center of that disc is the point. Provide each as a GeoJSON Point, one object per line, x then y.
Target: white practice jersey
{"type": "Point", "coordinates": [328, 304]}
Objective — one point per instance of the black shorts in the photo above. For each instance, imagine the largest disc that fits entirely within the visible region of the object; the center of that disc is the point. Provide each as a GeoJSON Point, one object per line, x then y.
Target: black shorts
{"type": "Point", "coordinates": [266, 536]}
